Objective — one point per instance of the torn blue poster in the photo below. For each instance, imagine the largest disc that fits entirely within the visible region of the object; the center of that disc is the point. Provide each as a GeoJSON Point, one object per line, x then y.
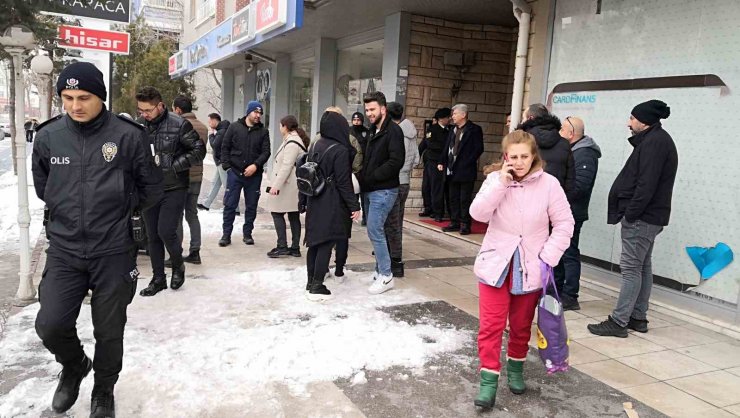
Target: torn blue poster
{"type": "Point", "coordinates": [710, 261]}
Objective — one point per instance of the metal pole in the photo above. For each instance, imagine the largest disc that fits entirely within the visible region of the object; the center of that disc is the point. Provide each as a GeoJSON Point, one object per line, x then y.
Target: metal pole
{"type": "Point", "coordinates": [26, 292]}
{"type": "Point", "coordinates": [522, 12]}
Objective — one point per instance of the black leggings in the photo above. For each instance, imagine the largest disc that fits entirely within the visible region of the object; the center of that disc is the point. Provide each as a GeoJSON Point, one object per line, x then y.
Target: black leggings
{"type": "Point", "coordinates": [317, 261]}
{"type": "Point", "coordinates": [278, 218]}
{"type": "Point", "coordinates": [340, 258]}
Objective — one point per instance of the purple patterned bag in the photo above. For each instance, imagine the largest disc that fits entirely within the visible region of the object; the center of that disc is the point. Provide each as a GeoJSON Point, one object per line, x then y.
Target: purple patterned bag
{"type": "Point", "coordinates": [552, 335]}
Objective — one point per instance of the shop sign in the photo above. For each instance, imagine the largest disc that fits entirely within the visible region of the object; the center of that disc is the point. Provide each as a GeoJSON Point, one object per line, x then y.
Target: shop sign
{"type": "Point", "coordinates": [242, 26]}
{"type": "Point", "coordinates": [177, 63]}
{"type": "Point", "coordinates": [111, 10]}
{"type": "Point", "coordinates": [76, 37]}
{"type": "Point", "coordinates": [211, 47]}
{"type": "Point", "coordinates": [270, 15]}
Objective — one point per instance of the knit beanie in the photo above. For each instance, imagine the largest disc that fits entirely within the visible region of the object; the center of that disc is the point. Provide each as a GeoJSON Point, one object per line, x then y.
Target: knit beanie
{"type": "Point", "coordinates": [253, 105]}
{"type": "Point", "coordinates": [444, 112]}
{"type": "Point", "coordinates": [82, 76]}
{"type": "Point", "coordinates": [359, 115]}
{"type": "Point", "coordinates": [651, 112]}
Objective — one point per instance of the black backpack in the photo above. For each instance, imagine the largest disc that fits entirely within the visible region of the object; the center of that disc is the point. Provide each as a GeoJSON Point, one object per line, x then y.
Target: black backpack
{"type": "Point", "coordinates": [311, 180]}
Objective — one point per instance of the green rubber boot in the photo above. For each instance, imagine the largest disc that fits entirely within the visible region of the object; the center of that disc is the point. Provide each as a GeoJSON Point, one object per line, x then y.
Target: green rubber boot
{"type": "Point", "coordinates": [514, 376]}
{"type": "Point", "coordinates": [488, 386]}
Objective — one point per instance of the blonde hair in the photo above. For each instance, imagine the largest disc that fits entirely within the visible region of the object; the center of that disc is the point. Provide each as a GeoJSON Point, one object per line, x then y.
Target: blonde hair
{"type": "Point", "coordinates": [518, 137]}
{"type": "Point", "coordinates": [335, 109]}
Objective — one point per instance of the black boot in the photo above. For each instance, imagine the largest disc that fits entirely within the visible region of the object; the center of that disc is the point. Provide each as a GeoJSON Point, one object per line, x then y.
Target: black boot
{"type": "Point", "coordinates": [178, 276]}
{"type": "Point", "coordinates": [69, 384]}
{"type": "Point", "coordinates": [102, 404]}
{"type": "Point", "coordinates": [193, 257]}
{"type": "Point", "coordinates": [318, 292]}
{"type": "Point", "coordinates": [155, 286]}
{"type": "Point", "coordinates": [295, 251]}
{"type": "Point", "coordinates": [452, 227]}
{"type": "Point", "coordinates": [465, 229]}
{"type": "Point", "coordinates": [308, 283]}
{"type": "Point", "coordinates": [278, 252]}
{"type": "Point", "coordinates": [224, 241]}
{"type": "Point", "coordinates": [248, 240]}
{"type": "Point", "coordinates": [397, 267]}
{"type": "Point", "coordinates": [338, 270]}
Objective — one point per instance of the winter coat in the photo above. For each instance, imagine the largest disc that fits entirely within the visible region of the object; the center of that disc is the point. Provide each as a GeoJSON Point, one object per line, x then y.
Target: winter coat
{"type": "Point", "coordinates": [177, 147]}
{"type": "Point", "coordinates": [586, 156]}
{"type": "Point", "coordinates": [283, 175]}
{"type": "Point", "coordinates": [361, 133]}
{"type": "Point", "coordinates": [92, 176]}
{"type": "Point", "coordinates": [196, 171]}
{"type": "Point", "coordinates": [326, 213]}
{"type": "Point", "coordinates": [644, 188]}
{"type": "Point", "coordinates": [411, 149]}
{"type": "Point", "coordinates": [243, 146]}
{"type": "Point", "coordinates": [519, 217]}
{"type": "Point", "coordinates": [554, 149]}
{"type": "Point", "coordinates": [216, 140]}
{"type": "Point", "coordinates": [433, 145]}
{"type": "Point", "coordinates": [465, 167]}
{"type": "Point", "coordinates": [383, 159]}
{"type": "Point", "coordinates": [355, 150]}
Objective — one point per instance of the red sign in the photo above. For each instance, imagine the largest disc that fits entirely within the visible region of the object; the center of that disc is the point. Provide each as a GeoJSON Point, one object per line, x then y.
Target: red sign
{"type": "Point", "coordinates": [270, 14]}
{"type": "Point", "coordinates": [75, 37]}
{"type": "Point", "coordinates": [172, 65]}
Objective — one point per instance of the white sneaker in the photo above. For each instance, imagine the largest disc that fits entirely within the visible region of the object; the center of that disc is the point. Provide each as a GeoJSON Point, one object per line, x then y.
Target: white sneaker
{"type": "Point", "coordinates": [381, 284]}
{"type": "Point", "coordinates": [317, 297]}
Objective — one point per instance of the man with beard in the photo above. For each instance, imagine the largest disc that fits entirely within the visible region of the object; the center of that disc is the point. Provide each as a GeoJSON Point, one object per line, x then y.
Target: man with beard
{"type": "Point", "coordinates": [177, 147]}
{"type": "Point", "coordinates": [431, 149]}
{"type": "Point", "coordinates": [244, 153]}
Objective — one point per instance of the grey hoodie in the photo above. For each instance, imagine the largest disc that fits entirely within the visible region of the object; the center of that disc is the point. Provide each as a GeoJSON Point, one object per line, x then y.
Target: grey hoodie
{"type": "Point", "coordinates": [412, 151]}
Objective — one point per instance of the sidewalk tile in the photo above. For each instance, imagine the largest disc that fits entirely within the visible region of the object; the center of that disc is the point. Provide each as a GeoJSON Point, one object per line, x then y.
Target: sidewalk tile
{"type": "Point", "coordinates": [620, 347]}
{"type": "Point", "coordinates": [443, 291]}
{"type": "Point", "coordinates": [469, 305]}
{"type": "Point", "coordinates": [670, 401]}
{"type": "Point", "coordinates": [579, 354]}
{"type": "Point", "coordinates": [658, 323]}
{"type": "Point", "coordinates": [615, 374]}
{"type": "Point", "coordinates": [735, 371]}
{"type": "Point", "coordinates": [574, 315]}
{"type": "Point", "coordinates": [734, 409]}
{"type": "Point", "coordinates": [597, 309]}
{"type": "Point", "coordinates": [658, 315]}
{"type": "Point", "coordinates": [577, 328]}
{"type": "Point", "coordinates": [709, 333]}
{"type": "Point", "coordinates": [721, 355]}
{"type": "Point", "coordinates": [471, 288]}
{"type": "Point", "coordinates": [452, 275]}
{"type": "Point", "coordinates": [718, 388]}
{"type": "Point", "coordinates": [665, 365]}
{"type": "Point", "coordinates": [587, 297]}
{"type": "Point", "coordinates": [676, 336]}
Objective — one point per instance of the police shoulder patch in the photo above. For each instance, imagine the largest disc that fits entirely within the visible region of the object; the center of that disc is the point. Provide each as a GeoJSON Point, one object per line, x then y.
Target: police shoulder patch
{"type": "Point", "coordinates": [55, 118]}
{"type": "Point", "coordinates": [127, 120]}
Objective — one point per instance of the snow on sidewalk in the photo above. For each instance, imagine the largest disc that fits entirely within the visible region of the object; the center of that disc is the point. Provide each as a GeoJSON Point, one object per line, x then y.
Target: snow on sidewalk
{"type": "Point", "coordinates": [231, 341]}
{"type": "Point", "coordinates": [9, 231]}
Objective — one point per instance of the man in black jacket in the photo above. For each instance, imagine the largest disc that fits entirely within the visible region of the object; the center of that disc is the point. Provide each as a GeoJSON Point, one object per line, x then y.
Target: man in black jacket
{"type": "Point", "coordinates": [554, 149]}
{"type": "Point", "coordinates": [93, 169]}
{"type": "Point", "coordinates": [177, 147]}
{"type": "Point", "coordinates": [382, 162]}
{"type": "Point", "coordinates": [640, 199]}
{"type": "Point", "coordinates": [586, 155]}
{"type": "Point", "coordinates": [216, 139]}
{"type": "Point", "coordinates": [431, 149]}
{"type": "Point", "coordinates": [244, 153]}
{"type": "Point", "coordinates": [459, 162]}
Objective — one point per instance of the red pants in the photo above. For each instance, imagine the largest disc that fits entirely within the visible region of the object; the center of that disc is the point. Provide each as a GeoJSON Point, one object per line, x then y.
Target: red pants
{"type": "Point", "coordinates": [496, 305]}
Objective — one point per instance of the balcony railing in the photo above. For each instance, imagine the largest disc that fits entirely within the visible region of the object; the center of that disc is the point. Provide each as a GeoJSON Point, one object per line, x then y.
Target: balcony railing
{"type": "Point", "coordinates": [165, 4]}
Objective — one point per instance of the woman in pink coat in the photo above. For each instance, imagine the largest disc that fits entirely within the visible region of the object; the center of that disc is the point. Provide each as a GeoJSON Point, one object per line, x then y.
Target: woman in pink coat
{"type": "Point", "coordinates": [519, 201]}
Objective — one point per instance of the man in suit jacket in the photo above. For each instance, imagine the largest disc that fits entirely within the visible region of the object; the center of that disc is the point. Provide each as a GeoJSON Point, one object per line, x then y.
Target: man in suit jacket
{"type": "Point", "coordinates": [459, 161]}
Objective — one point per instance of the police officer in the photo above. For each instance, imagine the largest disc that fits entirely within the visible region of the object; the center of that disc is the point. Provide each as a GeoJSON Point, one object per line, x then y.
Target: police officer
{"type": "Point", "coordinates": [93, 169]}
{"type": "Point", "coordinates": [431, 149]}
{"type": "Point", "coordinates": [177, 147]}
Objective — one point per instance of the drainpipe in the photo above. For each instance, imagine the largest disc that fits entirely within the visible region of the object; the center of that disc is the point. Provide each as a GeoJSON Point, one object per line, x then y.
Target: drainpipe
{"type": "Point", "coordinates": [523, 13]}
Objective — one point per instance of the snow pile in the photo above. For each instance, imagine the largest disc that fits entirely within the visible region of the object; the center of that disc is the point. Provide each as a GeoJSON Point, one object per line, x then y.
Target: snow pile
{"type": "Point", "coordinates": [9, 231]}
{"type": "Point", "coordinates": [231, 339]}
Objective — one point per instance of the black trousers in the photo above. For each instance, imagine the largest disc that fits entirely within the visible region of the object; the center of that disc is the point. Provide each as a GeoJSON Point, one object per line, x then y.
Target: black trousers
{"type": "Point", "coordinates": [432, 190]}
{"type": "Point", "coordinates": [161, 221]}
{"type": "Point", "coordinates": [278, 219]}
{"type": "Point", "coordinates": [342, 252]}
{"type": "Point", "coordinates": [317, 261]}
{"type": "Point", "coordinates": [65, 282]}
{"type": "Point", "coordinates": [461, 196]}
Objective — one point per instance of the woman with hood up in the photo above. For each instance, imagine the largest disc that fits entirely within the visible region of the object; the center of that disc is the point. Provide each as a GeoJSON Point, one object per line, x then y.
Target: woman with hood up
{"type": "Point", "coordinates": [325, 213]}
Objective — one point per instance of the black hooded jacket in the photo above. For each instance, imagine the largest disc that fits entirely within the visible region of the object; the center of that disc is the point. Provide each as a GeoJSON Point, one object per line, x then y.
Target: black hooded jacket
{"type": "Point", "coordinates": [383, 159]}
{"type": "Point", "coordinates": [217, 139]}
{"type": "Point", "coordinates": [92, 176]}
{"type": "Point", "coordinates": [243, 146]}
{"type": "Point", "coordinates": [554, 149]}
{"type": "Point", "coordinates": [326, 214]}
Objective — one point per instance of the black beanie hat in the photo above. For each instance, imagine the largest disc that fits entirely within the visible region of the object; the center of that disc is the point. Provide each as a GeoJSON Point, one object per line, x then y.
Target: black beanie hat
{"type": "Point", "coordinates": [651, 111]}
{"type": "Point", "coordinates": [82, 76]}
{"type": "Point", "coordinates": [444, 112]}
{"type": "Point", "coordinates": [359, 115]}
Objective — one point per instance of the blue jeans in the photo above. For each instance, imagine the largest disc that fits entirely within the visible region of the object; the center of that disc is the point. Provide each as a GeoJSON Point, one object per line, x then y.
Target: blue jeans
{"type": "Point", "coordinates": [568, 271]}
{"type": "Point", "coordinates": [234, 186]}
{"type": "Point", "coordinates": [378, 205]}
{"type": "Point", "coordinates": [219, 179]}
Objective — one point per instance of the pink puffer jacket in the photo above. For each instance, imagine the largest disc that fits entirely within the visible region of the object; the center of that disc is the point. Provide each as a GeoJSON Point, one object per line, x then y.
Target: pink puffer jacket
{"type": "Point", "coordinates": [519, 216]}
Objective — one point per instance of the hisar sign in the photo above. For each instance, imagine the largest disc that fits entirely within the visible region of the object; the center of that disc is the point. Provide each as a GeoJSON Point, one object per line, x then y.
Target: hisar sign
{"type": "Point", "coordinates": [75, 37]}
{"type": "Point", "coordinates": [111, 10]}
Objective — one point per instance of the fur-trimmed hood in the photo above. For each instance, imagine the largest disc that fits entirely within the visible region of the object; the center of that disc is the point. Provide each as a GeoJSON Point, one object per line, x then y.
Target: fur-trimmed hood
{"type": "Point", "coordinates": [546, 130]}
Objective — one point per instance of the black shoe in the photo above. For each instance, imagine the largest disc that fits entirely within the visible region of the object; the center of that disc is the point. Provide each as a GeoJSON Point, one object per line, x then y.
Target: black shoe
{"type": "Point", "coordinates": [425, 213]}
{"type": "Point", "coordinates": [338, 271]}
{"type": "Point", "coordinates": [248, 240]}
{"type": "Point", "coordinates": [193, 257]}
{"type": "Point", "coordinates": [168, 263]}
{"type": "Point", "coordinates": [295, 252]}
{"type": "Point", "coordinates": [570, 303]}
{"type": "Point", "coordinates": [308, 283]}
{"type": "Point", "coordinates": [102, 404]}
{"type": "Point", "coordinates": [639, 325]}
{"type": "Point", "coordinates": [69, 385]}
{"type": "Point", "coordinates": [224, 241]}
{"type": "Point", "coordinates": [278, 252]}
{"type": "Point", "coordinates": [202, 207]}
{"type": "Point", "coordinates": [608, 328]}
{"type": "Point", "coordinates": [155, 286]}
{"type": "Point", "coordinates": [465, 230]}
{"type": "Point", "coordinates": [396, 267]}
{"type": "Point", "coordinates": [451, 228]}
{"type": "Point", "coordinates": [437, 218]}
{"type": "Point", "coordinates": [318, 292]}
{"type": "Point", "coordinates": [178, 277]}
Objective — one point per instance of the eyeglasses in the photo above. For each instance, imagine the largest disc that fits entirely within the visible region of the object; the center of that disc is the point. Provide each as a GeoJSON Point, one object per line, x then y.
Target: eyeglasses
{"type": "Point", "coordinates": [567, 119]}
{"type": "Point", "coordinates": [147, 111]}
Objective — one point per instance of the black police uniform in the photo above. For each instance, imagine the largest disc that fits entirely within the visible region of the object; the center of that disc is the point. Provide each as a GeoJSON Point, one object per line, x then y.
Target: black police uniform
{"type": "Point", "coordinates": [91, 176]}
{"type": "Point", "coordinates": [432, 189]}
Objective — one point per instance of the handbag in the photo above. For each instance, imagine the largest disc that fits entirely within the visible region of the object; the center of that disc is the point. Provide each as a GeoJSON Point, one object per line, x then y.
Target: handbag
{"type": "Point", "coordinates": [552, 334]}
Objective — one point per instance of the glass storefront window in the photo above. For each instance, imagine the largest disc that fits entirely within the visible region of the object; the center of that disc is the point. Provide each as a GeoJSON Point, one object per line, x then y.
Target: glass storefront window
{"type": "Point", "coordinates": [359, 69]}
{"type": "Point", "coordinates": [301, 93]}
